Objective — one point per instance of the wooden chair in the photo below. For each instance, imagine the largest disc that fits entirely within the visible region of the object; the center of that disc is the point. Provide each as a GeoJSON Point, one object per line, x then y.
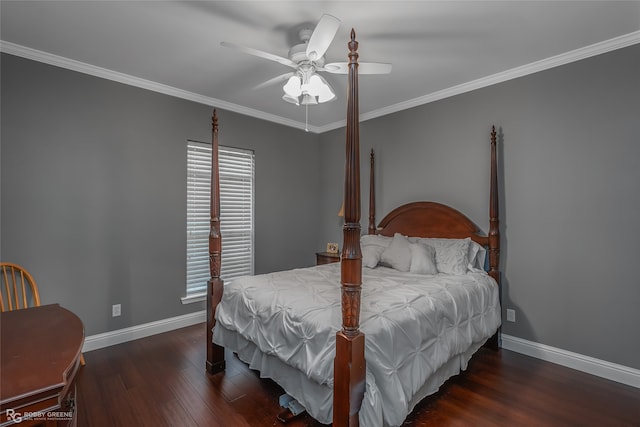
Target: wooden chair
{"type": "Point", "coordinates": [19, 290]}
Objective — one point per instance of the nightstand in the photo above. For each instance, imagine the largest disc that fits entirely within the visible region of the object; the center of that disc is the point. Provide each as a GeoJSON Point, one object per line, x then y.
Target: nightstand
{"type": "Point", "coordinates": [326, 258]}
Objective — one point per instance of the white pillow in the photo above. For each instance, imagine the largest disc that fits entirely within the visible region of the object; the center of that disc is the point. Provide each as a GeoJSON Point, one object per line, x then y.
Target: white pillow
{"type": "Point", "coordinates": [477, 255]}
{"type": "Point", "coordinates": [398, 254]}
{"type": "Point", "coordinates": [423, 259]}
{"type": "Point", "coordinates": [452, 255]}
{"type": "Point", "coordinates": [372, 247]}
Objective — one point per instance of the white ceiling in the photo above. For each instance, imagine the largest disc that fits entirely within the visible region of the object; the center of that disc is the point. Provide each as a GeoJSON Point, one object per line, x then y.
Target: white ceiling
{"type": "Point", "coordinates": [437, 48]}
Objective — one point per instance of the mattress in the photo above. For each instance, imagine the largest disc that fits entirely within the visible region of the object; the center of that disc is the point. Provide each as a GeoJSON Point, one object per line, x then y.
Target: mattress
{"type": "Point", "coordinates": [417, 329]}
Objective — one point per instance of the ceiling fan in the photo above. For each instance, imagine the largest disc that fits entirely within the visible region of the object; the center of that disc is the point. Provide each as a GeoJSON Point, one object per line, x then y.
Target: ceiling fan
{"type": "Point", "coordinates": [304, 86]}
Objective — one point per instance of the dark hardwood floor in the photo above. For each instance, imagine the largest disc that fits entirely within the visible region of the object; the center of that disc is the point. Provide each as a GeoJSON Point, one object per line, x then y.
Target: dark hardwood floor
{"type": "Point", "coordinates": [160, 381]}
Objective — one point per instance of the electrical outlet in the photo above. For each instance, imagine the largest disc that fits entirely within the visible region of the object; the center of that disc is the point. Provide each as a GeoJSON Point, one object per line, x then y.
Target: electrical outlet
{"type": "Point", "coordinates": [115, 310]}
{"type": "Point", "coordinates": [511, 315]}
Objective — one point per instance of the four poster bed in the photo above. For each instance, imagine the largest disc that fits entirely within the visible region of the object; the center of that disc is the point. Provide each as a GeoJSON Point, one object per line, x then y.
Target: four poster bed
{"type": "Point", "coordinates": [424, 300]}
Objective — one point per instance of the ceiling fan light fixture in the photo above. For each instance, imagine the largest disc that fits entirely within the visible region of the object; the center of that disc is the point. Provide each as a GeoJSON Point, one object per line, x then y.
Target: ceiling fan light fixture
{"type": "Point", "coordinates": [291, 99]}
{"type": "Point", "coordinates": [304, 90]}
{"type": "Point", "coordinates": [308, 99]}
{"type": "Point", "coordinates": [326, 94]}
{"type": "Point", "coordinates": [293, 87]}
{"type": "Point", "coordinates": [315, 85]}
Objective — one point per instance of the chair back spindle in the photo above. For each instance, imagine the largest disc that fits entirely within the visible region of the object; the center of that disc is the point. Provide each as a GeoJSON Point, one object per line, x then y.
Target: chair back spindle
{"type": "Point", "coordinates": [18, 289]}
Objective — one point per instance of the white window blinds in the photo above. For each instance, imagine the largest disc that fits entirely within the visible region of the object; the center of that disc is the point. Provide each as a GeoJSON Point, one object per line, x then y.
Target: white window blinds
{"type": "Point", "coordinates": [236, 213]}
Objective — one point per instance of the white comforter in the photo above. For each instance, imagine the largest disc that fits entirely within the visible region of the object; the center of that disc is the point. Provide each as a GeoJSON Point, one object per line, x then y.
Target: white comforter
{"type": "Point", "coordinates": [413, 324]}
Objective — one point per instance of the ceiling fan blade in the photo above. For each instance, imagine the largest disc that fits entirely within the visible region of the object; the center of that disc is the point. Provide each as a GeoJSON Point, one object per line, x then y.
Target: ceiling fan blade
{"type": "Point", "coordinates": [278, 79]}
{"type": "Point", "coordinates": [322, 36]}
{"type": "Point", "coordinates": [261, 54]}
{"type": "Point", "coordinates": [363, 68]}
{"type": "Point", "coordinates": [335, 68]}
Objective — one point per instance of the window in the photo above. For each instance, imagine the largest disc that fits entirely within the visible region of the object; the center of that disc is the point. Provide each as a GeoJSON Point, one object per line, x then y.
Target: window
{"type": "Point", "coordinates": [236, 214]}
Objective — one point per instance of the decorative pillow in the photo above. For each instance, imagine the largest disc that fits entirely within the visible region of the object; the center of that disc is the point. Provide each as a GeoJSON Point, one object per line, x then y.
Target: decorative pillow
{"type": "Point", "coordinates": [372, 247]}
{"type": "Point", "coordinates": [398, 254]}
{"type": "Point", "coordinates": [477, 255]}
{"type": "Point", "coordinates": [423, 259]}
{"type": "Point", "coordinates": [452, 255]}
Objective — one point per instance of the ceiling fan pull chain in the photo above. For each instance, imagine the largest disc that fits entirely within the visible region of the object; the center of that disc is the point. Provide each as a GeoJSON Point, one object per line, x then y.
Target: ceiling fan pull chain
{"type": "Point", "coordinates": [306, 118]}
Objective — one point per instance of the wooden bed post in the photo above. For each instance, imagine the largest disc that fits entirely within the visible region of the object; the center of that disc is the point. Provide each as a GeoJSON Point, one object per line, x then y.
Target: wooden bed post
{"type": "Point", "coordinates": [494, 233]}
{"type": "Point", "coordinates": [494, 221]}
{"type": "Point", "coordinates": [372, 195]}
{"type": "Point", "coordinates": [215, 285]}
{"type": "Point", "coordinates": [349, 364]}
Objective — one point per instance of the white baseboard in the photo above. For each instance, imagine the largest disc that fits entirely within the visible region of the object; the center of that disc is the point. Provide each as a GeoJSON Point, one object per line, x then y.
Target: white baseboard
{"type": "Point", "coordinates": [590, 365]}
{"type": "Point", "coordinates": [94, 342]}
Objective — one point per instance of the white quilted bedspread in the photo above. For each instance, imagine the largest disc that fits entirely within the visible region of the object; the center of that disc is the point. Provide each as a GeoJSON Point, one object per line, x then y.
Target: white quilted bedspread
{"type": "Point", "coordinates": [413, 323]}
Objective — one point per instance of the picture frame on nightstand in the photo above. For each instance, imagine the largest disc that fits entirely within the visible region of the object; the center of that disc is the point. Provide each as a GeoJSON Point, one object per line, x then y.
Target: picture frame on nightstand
{"type": "Point", "coordinates": [332, 248]}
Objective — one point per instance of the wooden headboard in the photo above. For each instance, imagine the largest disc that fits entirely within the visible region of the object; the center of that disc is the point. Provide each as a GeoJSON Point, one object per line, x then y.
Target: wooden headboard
{"type": "Point", "coordinates": [431, 219]}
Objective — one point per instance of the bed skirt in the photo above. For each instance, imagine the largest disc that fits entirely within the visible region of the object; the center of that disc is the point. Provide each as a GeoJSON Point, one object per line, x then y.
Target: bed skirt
{"type": "Point", "coordinates": [318, 398]}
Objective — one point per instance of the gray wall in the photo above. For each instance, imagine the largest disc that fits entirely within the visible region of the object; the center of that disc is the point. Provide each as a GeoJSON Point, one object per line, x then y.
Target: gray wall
{"type": "Point", "coordinates": [93, 180]}
{"type": "Point", "coordinates": [569, 192]}
{"type": "Point", "coordinates": [93, 191]}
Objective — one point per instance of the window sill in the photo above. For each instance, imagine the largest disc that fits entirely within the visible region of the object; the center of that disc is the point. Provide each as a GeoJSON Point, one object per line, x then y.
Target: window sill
{"type": "Point", "coordinates": [190, 299]}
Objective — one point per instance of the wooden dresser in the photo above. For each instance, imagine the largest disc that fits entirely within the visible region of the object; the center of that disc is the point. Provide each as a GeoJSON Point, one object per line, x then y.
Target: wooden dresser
{"type": "Point", "coordinates": [41, 348]}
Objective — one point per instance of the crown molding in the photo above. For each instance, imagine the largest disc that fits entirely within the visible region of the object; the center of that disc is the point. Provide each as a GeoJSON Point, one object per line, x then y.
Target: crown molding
{"type": "Point", "coordinates": [104, 73]}
{"type": "Point", "coordinates": [524, 70]}
{"type": "Point", "coordinates": [534, 67]}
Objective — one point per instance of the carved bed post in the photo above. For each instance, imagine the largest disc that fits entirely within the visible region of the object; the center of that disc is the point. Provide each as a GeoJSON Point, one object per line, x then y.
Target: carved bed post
{"type": "Point", "coordinates": [372, 195]}
{"type": "Point", "coordinates": [215, 285]}
{"type": "Point", "coordinates": [349, 364]}
{"type": "Point", "coordinates": [494, 221]}
{"type": "Point", "coordinates": [494, 232]}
